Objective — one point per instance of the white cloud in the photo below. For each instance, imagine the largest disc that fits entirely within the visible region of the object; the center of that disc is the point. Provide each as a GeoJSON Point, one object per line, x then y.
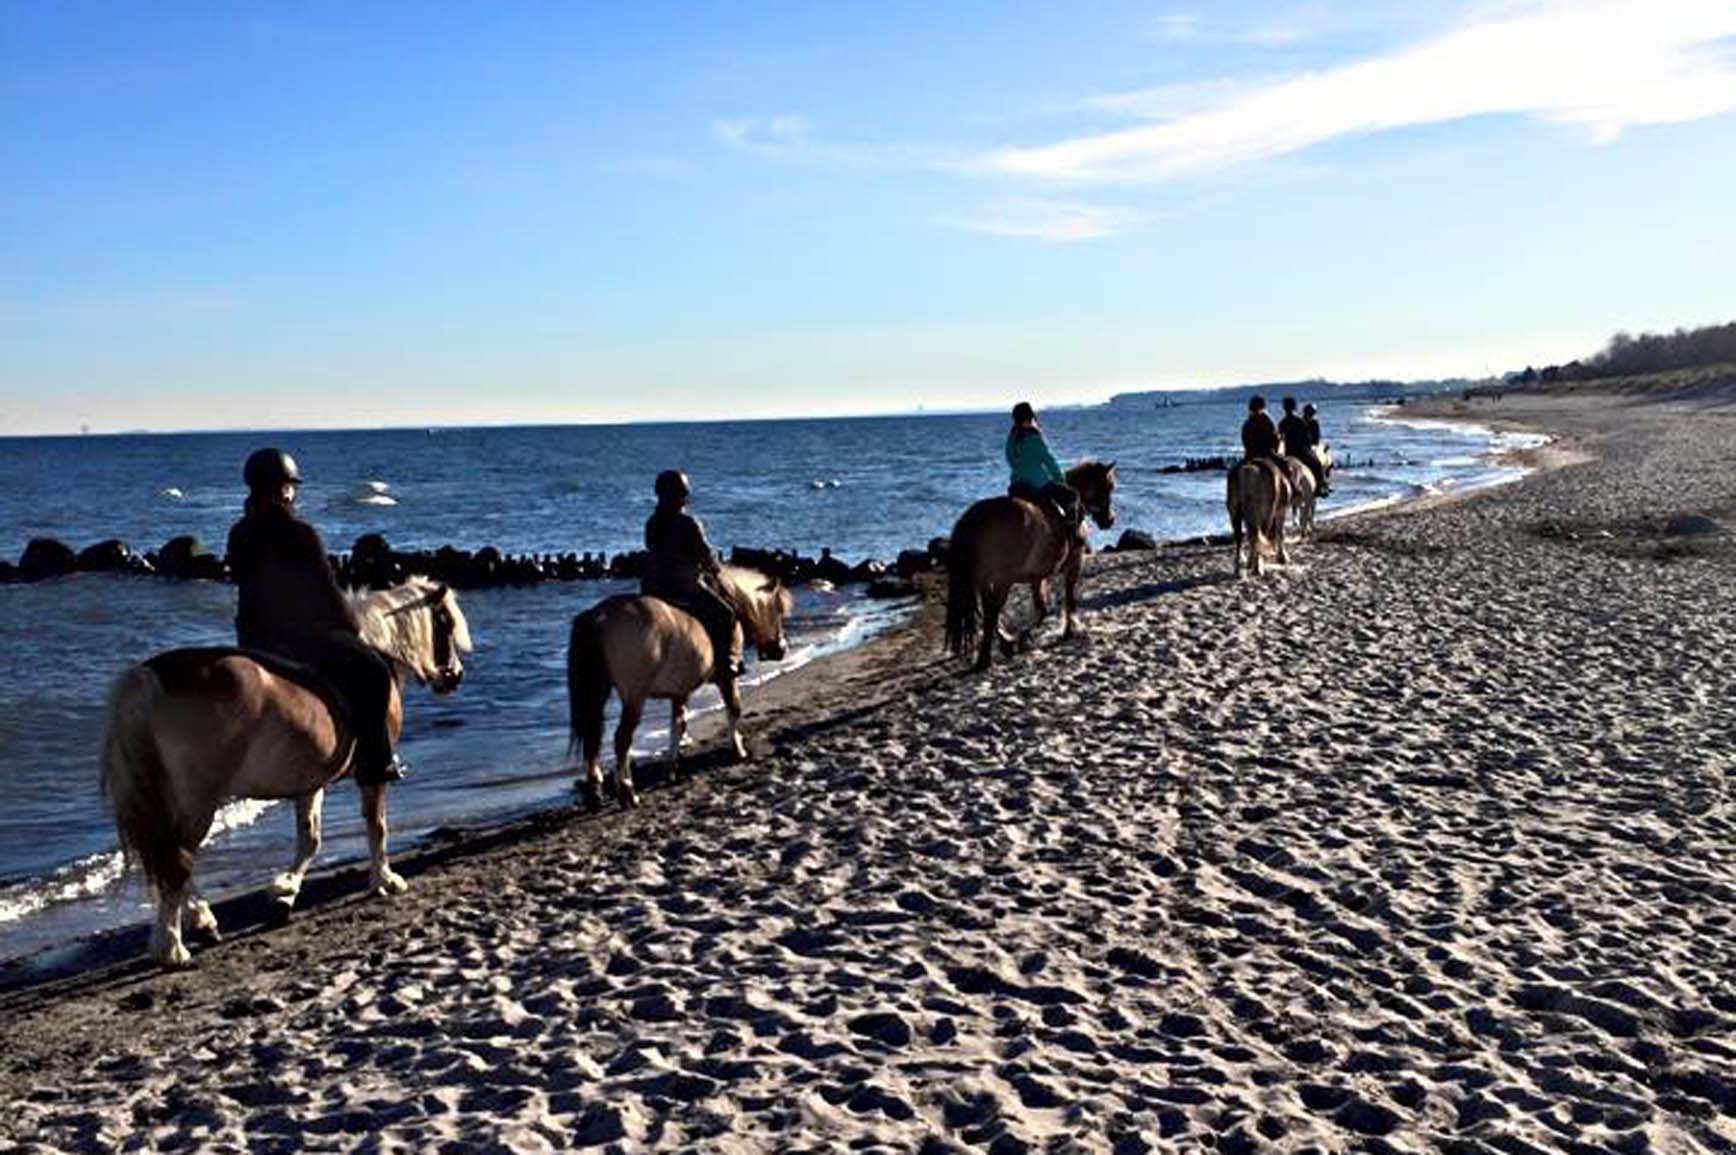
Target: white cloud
{"type": "Point", "coordinates": [1058, 222]}
{"type": "Point", "coordinates": [768, 135]}
{"type": "Point", "coordinates": [1603, 67]}
{"type": "Point", "coordinates": [1187, 27]}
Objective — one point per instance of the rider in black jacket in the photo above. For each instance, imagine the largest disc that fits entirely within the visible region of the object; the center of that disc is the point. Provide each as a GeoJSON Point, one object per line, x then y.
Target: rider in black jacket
{"type": "Point", "coordinates": [290, 605]}
{"type": "Point", "coordinates": [682, 570]}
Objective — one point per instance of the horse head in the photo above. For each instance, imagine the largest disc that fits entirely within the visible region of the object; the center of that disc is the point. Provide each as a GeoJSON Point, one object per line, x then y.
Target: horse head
{"type": "Point", "coordinates": [419, 626]}
{"type": "Point", "coordinates": [1094, 482]}
{"type": "Point", "coordinates": [762, 604]}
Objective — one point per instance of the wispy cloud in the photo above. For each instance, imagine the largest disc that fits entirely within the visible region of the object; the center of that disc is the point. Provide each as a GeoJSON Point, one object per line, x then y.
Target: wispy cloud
{"type": "Point", "coordinates": [1602, 67]}
{"type": "Point", "coordinates": [1058, 222]}
{"type": "Point", "coordinates": [1292, 28]}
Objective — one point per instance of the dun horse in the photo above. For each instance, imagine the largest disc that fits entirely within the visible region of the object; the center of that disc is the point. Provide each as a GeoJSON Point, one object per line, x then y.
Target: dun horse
{"type": "Point", "coordinates": [1258, 499]}
{"type": "Point", "coordinates": [189, 729]}
{"type": "Point", "coordinates": [1001, 542]}
{"type": "Point", "coordinates": [643, 648]}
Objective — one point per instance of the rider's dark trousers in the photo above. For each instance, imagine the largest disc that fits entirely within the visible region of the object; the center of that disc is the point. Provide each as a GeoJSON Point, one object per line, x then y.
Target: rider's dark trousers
{"type": "Point", "coordinates": [1061, 496]}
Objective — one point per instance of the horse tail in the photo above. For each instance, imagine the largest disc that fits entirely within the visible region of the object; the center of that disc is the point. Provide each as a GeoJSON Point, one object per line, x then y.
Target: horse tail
{"type": "Point", "coordinates": [588, 684]}
{"type": "Point", "coordinates": [963, 603]}
{"type": "Point", "coordinates": [136, 782]}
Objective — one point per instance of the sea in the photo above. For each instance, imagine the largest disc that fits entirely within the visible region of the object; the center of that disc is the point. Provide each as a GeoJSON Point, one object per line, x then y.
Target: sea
{"type": "Point", "coordinates": [496, 750]}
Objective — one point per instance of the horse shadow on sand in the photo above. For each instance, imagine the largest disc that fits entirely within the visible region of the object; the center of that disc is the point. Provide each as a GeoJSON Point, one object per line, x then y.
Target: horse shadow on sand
{"type": "Point", "coordinates": [1151, 591]}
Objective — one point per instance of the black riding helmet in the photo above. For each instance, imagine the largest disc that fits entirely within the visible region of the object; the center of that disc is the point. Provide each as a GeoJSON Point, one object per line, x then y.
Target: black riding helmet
{"type": "Point", "coordinates": [1256, 404]}
{"type": "Point", "coordinates": [269, 468]}
{"type": "Point", "coordinates": [672, 486]}
{"type": "Point", "coordinates": [1289, 404]}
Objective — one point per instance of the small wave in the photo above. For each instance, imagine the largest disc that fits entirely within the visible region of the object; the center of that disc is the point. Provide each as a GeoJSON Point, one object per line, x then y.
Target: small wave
{"type": "Point", "coordinates": [172, 493]}
{"type": "Point", "coordinates": [375, 486]}
{"type": "Point", "coordinates": [376, 499]}
{"type": "Point", "coordinates": [82, 879]}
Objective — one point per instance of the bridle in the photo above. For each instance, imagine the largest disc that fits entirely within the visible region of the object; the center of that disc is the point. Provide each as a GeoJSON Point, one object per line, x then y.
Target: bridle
{"type": "Point", "coordinates": [434, 601]}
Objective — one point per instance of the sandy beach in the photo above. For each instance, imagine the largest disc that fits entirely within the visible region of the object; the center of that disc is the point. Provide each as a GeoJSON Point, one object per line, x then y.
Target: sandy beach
{"type": "Point", "coordinates": [1425, 842]}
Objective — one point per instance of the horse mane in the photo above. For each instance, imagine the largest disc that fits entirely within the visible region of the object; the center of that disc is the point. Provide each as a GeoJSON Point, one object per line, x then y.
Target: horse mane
{"type": "Point", "coordinates": [758, 599]}
{"type": "Point", "coordinates": [395, 622]}
{"type": "Point", "coordinates": [1088, 466]}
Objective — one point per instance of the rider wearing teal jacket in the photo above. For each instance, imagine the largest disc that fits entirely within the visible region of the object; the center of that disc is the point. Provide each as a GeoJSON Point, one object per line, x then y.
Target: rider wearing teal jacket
{"type": "Point", "coordinates": [1036, 475]}
{"type": "Point", "coordinates": [1029, 455]}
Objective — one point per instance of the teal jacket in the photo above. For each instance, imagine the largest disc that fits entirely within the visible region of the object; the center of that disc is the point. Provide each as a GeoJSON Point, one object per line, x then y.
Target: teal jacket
{"type": "Point", "coordinates": [1031, 460]}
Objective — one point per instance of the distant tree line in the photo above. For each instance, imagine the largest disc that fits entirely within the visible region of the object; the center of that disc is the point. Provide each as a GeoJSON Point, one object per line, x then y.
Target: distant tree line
{"type": "Point", "coordinates": [1630, 356]}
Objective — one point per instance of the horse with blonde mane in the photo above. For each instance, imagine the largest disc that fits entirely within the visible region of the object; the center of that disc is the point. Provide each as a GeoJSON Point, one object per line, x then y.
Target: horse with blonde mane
{"type": "Point", "coordinates": [1001, 542]}
{"type": "Point", "coordinates": [642, 647]}
{"type": "Point", "coordinates": [190, 729]}
{"type": "Point", "coordinates": [1258, 498]}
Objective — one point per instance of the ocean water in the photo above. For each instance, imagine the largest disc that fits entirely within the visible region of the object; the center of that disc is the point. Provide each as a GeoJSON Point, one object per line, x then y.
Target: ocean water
{"type": "Point", "coordinates": [862, 487]}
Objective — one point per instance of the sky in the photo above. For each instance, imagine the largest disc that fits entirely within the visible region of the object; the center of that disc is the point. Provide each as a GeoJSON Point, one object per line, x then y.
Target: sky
{"type": "Point", "coordinates": [327, 214]}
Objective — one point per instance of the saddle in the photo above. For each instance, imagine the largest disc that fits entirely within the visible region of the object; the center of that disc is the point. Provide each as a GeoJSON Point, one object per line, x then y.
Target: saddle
{"type": "Point", "coordinates": [190, 670]}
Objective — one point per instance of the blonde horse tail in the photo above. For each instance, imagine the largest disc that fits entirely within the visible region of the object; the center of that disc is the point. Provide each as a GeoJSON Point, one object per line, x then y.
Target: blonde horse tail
{"type": "Point", "coordinates": [963, 604]}
{"type": "Point", "coordinates": [587, 684]}
{"type": "Point", "coordinates": [136, 781]}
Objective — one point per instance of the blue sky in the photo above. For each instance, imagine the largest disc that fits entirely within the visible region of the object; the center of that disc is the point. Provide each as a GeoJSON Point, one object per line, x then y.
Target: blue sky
{"type": "Point", "coordinates": [334, 214]}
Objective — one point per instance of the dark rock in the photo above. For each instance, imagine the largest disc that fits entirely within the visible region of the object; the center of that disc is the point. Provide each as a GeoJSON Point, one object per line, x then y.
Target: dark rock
{"type": "Point", "coordinates": [887, 588]}
{"type": "Point", "coordinates": [867, 570]}
{"type": "Point", "coordinates": [8, 572]}
{"type": "Point", "coordinates": [628, 566]}
{"type": "Point", "coordinates": [186, 557]}
{"type": "Point", "coordinates": [912, 562]}
{"type": "Point", "coordinates": [45, 558]}
{"type": "Point", "coordinates": [940, 548]}
{"type": "Point", "coordinates": [831, 569]}
{"type": "Point", "coordinates": [1135, 539]}
{"type": "Point", "coordinates": [111, 556]}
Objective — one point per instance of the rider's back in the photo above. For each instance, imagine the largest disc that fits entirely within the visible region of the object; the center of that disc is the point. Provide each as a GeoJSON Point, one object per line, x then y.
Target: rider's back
{"type": "Point", "coordinates": [678, 555]}
{"type": "Point", "coordinates": [286, 591]}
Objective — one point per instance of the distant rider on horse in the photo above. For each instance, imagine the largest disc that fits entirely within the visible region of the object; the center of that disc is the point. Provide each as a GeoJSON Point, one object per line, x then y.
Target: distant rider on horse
{"type": "Point", "coordinates": [1037, 477]}
{"type": "Point", "coordinates": [1259, 435]}
{"type": "Point", "coordinates": [289, 604]}
{"type": "Point", "coordinates": [682, 570]}
{"type": "Point", "coordinates": [1299, 441]}
{"type": "Point", "coordinates": [1313, 424]}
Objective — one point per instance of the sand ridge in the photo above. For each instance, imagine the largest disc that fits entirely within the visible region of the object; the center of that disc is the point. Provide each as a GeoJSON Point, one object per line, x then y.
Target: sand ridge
{"type": "Point", "coordinates": [1425, 843]}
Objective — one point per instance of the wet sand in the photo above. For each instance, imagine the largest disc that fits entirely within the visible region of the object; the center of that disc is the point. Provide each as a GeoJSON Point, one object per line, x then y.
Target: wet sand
{"type": "Point", "coordinates": [1422, 843]}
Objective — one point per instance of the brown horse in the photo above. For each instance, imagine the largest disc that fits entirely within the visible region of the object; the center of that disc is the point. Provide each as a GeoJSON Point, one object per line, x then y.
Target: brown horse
{"type": "Point", "coordinates": [642, 648]}
{"type": "Point", "coordinates": [1302, 496]}
{"type": "Point", "coordinates": [190, 729]}
{"type": "Point", "coordinates": [1258, 497]}
{"type": "Point", "coordinates": [1001, 542]}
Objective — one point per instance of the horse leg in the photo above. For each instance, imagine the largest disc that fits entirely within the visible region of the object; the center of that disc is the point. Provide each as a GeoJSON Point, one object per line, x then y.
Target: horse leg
{"type": "Point", "coordinates": [1039, 611]}
{"type": "Point", "coordinates": [732, 704]}
{"type": "Point", "coordinates": [677, 733]}
{"type": "Point", "coordinates": [382, 879]}
{"type": "Point", "coordinates": [198, 918]}
{"type": "Point", "coordinates": [167, 947]}
{"type": "Point", "coordinates": [1278, 537]}
{"type": "Point", "coordinates": [631, 710]}
{"type": "Point", "coordinates": [286, 887]}
{"type": "Point", "coordinates": [993, 600]}
{"type": "Point", "coordinates": [1070, 593]}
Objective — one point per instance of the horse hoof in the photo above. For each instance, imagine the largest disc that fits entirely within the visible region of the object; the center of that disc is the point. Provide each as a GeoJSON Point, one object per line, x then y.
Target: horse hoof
{"type": "Point", "coordinates": [389, 883]}
{"type": "Point", "coordinates": [175, 958]}
{"type": "Point", "coordinates": [628, 797]}
{"type": "Point", "coordinates": [593, 796]}
{"type": "Point", "coordinates": [281, 910]}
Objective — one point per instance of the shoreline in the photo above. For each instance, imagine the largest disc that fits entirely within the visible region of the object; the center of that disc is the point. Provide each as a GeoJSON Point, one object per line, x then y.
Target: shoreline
{"type": "Point", "coordinates": [1375, 847]}
{"type": "Point", "coordinates": [783, 692]}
